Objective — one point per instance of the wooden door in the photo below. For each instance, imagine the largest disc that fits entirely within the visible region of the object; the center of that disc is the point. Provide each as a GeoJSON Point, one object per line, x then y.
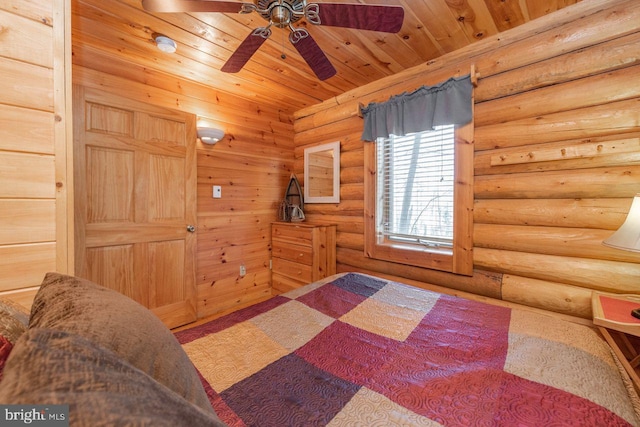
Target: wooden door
{"type": "Point", "coordinates": [135, 201]}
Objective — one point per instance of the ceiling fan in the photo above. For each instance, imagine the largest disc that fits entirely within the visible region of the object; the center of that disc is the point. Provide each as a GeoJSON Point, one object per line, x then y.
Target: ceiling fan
{"type": "Point", "coordinates": [283, 14]}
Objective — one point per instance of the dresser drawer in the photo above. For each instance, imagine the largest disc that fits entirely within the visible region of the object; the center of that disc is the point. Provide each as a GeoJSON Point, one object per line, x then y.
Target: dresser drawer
{"type": "Point", "coordinates": [294, 253]}
{"type": "Point", "coordinates": [293, 270]}
{"type": "Point", "coordinates": [299, 235]}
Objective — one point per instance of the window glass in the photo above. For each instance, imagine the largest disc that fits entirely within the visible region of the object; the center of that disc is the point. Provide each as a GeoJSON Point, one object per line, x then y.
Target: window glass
{"type": "Point", "coordinates": [415, 188]}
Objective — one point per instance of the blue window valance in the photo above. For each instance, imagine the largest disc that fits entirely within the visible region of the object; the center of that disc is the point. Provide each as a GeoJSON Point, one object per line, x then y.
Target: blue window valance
{"type": "Point", "coordinates": [447, 103]}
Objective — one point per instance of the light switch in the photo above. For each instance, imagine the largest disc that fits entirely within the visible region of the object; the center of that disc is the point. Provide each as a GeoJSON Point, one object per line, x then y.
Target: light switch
{"type": "Point", "coordinates": [217, 191]}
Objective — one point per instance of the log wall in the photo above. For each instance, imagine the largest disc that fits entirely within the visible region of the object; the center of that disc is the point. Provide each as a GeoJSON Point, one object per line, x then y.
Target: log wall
{"type": "Point", "coordinates": [557, 158]}
{"type": "Point", "coordinates": [34, 183]}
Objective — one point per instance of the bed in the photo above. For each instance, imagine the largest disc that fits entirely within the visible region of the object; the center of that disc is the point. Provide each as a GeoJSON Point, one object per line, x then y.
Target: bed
{"type": "Point", "coordinates": [357, 350]}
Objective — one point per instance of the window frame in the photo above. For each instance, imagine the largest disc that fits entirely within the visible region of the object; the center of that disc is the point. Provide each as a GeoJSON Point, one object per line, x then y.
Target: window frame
{"type": "Point", "coordinates": [458, 259]}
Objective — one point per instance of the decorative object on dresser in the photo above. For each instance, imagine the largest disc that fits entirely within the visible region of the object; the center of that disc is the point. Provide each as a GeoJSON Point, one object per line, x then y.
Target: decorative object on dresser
{"type": "Point", "coordinates": [301, 253]}
{"type": "Point", "coordinates": [292, 206]}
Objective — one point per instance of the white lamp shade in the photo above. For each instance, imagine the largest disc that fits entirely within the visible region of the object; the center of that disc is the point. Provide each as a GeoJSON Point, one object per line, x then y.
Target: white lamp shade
{"type": "Point", "coordinates": [210, 135]}
{"type": "Point", "coordinates": [628, 235]}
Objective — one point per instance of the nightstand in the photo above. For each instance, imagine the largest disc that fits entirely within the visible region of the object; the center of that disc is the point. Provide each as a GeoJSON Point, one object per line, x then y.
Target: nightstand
{"type": "Point", "coordinates": [612, 314]}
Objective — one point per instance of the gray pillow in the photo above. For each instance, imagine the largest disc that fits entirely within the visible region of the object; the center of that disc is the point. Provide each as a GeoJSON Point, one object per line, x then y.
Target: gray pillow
{"type": "Point", "coordinates": [117, 323]}
{"type": "Point", "coordinates": [54, 367]}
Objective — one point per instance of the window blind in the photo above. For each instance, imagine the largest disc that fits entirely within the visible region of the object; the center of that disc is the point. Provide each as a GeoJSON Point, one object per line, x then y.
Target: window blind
{"type": "Point", "coordinates": [415, 187]}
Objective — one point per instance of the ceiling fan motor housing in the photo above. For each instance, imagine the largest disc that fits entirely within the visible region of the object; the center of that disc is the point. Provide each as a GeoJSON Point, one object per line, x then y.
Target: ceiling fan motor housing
{"type": "Point", "coordinates": [281, 13]}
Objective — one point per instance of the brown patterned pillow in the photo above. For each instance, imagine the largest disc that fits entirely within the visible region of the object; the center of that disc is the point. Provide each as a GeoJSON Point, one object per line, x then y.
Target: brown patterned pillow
{"type": "Point", "coordinates": [100, 387]}
{"type": "Point", "coordinates": [117, 323]}
{"type": "Point", "coordinates": [14, 319]}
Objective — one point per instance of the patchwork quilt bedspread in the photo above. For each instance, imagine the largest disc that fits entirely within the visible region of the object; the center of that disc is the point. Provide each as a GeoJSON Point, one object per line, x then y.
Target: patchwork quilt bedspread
{"type": "Point", "coordinates": [356, 350]}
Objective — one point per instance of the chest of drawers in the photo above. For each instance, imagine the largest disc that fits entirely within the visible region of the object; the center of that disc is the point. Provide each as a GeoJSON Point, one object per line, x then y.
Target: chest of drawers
{"type": "Point", "coordinates": [301, 253]}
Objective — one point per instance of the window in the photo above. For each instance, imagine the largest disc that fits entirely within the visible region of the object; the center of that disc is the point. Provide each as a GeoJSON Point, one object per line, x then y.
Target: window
{"type": "Point", "coordinates": [419, 199]}
{"type": "Point", "coordinates": [415, 188]}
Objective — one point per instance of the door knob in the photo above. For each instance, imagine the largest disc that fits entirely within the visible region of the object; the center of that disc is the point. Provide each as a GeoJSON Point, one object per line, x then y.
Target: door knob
{"type": "Point", "coordinates": [191, 228]}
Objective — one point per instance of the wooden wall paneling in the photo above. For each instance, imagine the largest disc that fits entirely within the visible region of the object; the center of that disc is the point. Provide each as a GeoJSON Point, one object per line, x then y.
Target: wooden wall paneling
{"type": "Point", "coordinates": [350, 241]}
{"type": "Point", "coordinates": [565, 117]}
{"type": "Point", "coordinates": [560, 33]}
{"type": "Point", "coordinates": [26, 85]}
{"type": "Point", "coordinates": [586, 91]}
{"type": "Point", "coordinates": [595, 121]}
{"type": "Point", "coordinates": [34, 152]}
{"type": "Point", "coordinates": [22, 40]}
{"type": "Point", "coordinates": [30, 220]}
{"type": "Point", "coordinates": [573, 242]}
{"type": "Point", "coordinates": [231, 292]}
{"type": "Point", "coordinates": [36, 10]}
{"type": "Point", "coordinates": [614, 54]}
{"type": "Point", "coordinates": [329, 132]}
{"type": "Point", "coordinates": [63, 136]}
{"type": "Point", "coordinates": [234, 112]}
{"type": "Point", "coordinates": [602, 213]}
{"type": "Point", "coordinates": [26, 130]}
{"type": "Point", "coordinates": [23, 266]}
{"type": "Point", "coordinates": [581, 151]}
{"type": "Point", "coordinates": [547, 295]}
{"type": "Point", "coordinates": [27, 175]}
{"type": "Point", "coordinates": [235, 230]}
{"type": "Point", "coordinates": [590, 152]}
{"type": "Point", "coordinates": [606, 276]}
{"type": "Point", "coordinates": [616, 181]}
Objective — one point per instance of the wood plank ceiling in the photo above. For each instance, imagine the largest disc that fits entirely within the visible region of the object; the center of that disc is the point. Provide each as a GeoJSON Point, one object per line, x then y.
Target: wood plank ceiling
{"type": "Point", "coordinates": [116, 37]}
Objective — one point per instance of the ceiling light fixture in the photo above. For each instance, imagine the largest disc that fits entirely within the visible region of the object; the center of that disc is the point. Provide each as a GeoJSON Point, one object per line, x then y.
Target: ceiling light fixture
{"type": "Point", "coordinates": [165, 44]}
{"type": "Point", "coordinates": [210, 135]}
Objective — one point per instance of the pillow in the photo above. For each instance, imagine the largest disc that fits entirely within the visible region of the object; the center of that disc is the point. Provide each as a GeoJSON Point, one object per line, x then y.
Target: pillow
{"type": "Point", "coordinates": [100, 387]}
{"type": "Point", "coordinates": [13, 323]}
{"type": "Point", "coordinates": [113, 321]}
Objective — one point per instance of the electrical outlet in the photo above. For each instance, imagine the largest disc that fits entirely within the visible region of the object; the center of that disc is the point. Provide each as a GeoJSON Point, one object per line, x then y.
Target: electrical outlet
{"type": "Point", "coordinates": [243, 270]}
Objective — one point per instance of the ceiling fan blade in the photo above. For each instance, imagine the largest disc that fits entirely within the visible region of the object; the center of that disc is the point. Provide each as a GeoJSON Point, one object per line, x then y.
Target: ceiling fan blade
{"type": "Point", "coordinates": [246, 50]}
{"type": "Point", "coordinates": [173, 6]}
{"type": "Point", "coordinates": [312, 54]}
{"type": "Point", "coordinates": [359, 16]}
